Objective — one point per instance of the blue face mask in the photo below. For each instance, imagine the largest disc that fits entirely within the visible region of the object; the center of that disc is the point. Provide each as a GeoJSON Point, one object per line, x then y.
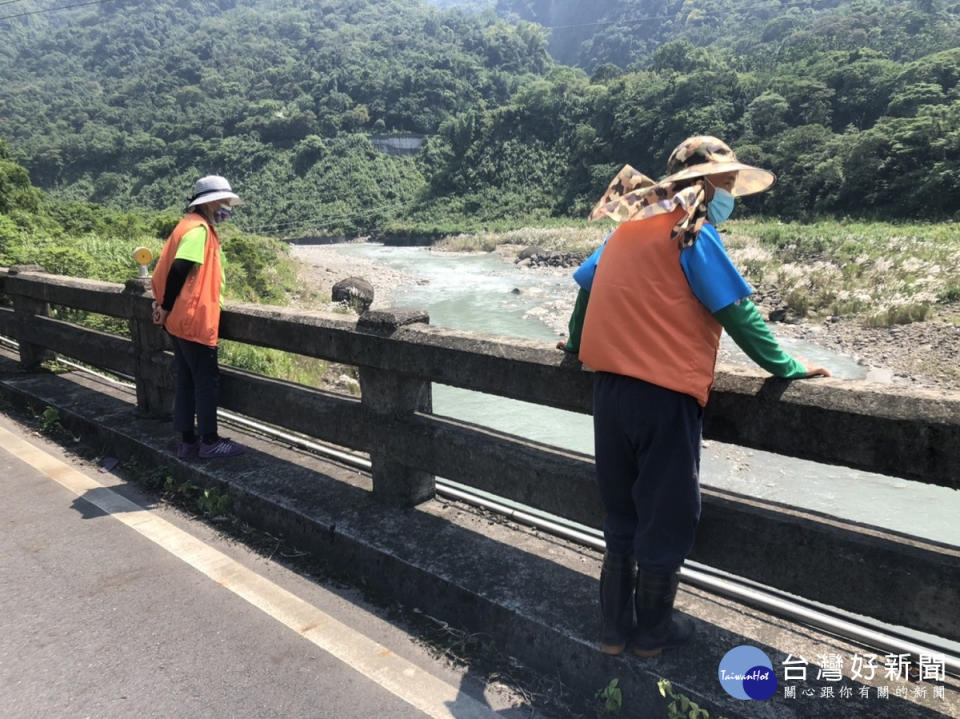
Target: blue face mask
{"type": "Point", "coordinates": [223, 214]}
{"type": "Point", "coordinates": [720, 207]}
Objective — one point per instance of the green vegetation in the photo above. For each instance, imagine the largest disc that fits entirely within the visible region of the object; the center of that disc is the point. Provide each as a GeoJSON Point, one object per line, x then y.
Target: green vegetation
{"type": "Point", "coordinates": [85, 240]}
{"type": "Point", "coordinates": [611, 697]}
{"type": "Point", "coordinates": [307, 371]}
{"type": "Point", "coordinates": [209, 502]}
{"type": "Point", "coordinates": [680, 706]}
{"type": "Point", "coordinates": [884, 273]}
{"type": "Point", "coordinates": [853, 104]}
{"type": "Point", "coordinates": [50, 420]}
{"type": "Point", "coordinates": [127, 104]}
{"type": "Point", "coordinates": [605, 36]}
{"type": "Point", "coordinates": [835, 139]}
{"type": "Point", "coordinates": [82, 239]}
{"type": "Point", "coordinates": [881, 273]}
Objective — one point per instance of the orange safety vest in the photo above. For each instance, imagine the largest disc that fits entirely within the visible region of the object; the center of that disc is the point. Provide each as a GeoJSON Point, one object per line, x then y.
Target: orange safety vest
{"type": "Point", "coordinates": [196, 312]}
{"type": "Point", "coordinates": [643, 320]}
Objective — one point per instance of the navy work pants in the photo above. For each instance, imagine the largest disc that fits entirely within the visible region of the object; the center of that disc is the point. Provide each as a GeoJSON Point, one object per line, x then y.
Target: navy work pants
{"type": "Point", "coordinates": [198, 387]}
{"type": "Point", "coordinates": [647, 441]}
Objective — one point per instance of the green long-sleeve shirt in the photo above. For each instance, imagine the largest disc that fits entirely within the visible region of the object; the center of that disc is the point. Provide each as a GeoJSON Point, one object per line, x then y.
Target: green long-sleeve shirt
{"type": "Point", "coordinates": [746, 327]}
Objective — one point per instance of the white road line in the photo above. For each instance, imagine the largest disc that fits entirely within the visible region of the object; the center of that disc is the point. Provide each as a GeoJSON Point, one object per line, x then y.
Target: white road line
{"type": "Point", "coordinates": [420, 689]}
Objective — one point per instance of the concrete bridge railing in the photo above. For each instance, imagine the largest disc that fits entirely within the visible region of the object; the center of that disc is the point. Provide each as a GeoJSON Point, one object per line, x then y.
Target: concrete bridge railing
{"type": "Point", "coordinates": [893, 577]}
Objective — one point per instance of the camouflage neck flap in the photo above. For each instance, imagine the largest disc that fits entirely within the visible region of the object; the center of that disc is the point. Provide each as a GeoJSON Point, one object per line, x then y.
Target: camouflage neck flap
{"type": "Point", "coordinates": [634, 196]}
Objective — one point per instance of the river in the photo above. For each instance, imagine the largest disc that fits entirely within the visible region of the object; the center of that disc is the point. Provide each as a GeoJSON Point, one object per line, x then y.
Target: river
{"type": "Point", "coordinates": [483, 292]}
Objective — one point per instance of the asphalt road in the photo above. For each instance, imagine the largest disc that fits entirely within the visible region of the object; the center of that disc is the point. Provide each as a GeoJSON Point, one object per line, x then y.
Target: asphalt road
{"type": "Point", "coordinates": [111, 606]}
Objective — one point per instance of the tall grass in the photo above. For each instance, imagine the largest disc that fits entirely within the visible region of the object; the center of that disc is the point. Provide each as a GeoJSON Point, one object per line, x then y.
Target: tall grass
{"type": "Point", "coordinates": [882, 273]}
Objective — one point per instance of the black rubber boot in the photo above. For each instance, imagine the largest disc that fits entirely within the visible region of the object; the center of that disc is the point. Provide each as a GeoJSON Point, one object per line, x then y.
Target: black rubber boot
{"type": "Point", "coordinates": [616, 602]}
{"type": "Point", "coordinates": [657, 628]}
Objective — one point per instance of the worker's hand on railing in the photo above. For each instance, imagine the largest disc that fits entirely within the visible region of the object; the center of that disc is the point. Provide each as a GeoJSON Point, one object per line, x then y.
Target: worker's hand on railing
{"type": "Point", "coordinates": [159, 314]}
{"type": "Point", "coordinates": [813, 370]}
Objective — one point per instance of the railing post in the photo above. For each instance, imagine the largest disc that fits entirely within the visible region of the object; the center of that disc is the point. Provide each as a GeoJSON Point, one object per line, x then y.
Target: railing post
{"type": "Point", "coordinates": [153, 374]}
{"type": "Point", "coordinates": [25, 309]}
{"type": "Point", "coordinates": [391, 396]}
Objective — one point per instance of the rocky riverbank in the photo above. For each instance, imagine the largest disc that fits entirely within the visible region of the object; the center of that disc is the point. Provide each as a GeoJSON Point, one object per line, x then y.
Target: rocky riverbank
{"type": "Point", "coordinates": [921, 354]}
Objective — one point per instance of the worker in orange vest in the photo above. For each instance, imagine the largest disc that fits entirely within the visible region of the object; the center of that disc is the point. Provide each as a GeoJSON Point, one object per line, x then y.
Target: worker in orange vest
{"type": "Point", "coordinates": [654, 301]}
{"type": "Point", "coordinates": [188, 286]}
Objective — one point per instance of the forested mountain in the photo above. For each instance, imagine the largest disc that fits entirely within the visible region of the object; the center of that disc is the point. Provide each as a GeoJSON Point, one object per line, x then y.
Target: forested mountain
{"type": "Point", "coordinates": [764, 33]}
{"type": "Point", "coordinates": [855, 105]}
{"type": "Point", "coordinates": [127, 103]}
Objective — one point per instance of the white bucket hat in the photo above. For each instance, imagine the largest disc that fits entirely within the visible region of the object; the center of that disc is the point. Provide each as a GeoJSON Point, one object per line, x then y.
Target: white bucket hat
{"type": "Point", "coordinates": [212, 188]}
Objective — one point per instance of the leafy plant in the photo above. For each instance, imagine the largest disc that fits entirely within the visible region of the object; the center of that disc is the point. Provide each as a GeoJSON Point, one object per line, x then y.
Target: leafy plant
{"type": "Point", "coordinates": [50, 420]}
{"type": "Point", "coordinates": [209, 501]}
{"type": "Point", "coordinates": [679, 705]}
{"type": "Point", "coordinates": [213, 503]}
{"type": "Point", "coordinates": [611, 696]}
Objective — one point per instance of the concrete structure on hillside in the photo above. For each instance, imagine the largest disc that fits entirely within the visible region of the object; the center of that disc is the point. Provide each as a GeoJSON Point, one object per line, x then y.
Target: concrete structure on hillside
{"type": "Point", "coordinates": [398, 144]}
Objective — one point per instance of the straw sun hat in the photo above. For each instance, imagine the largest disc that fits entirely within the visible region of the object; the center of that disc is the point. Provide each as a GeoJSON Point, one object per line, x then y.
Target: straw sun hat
{"type": "Point", "coordinates": [634, 196]}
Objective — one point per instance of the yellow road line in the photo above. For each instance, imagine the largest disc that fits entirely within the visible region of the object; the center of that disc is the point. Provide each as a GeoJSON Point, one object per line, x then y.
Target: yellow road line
{"type": "Point", "coordinates": [418, 688]}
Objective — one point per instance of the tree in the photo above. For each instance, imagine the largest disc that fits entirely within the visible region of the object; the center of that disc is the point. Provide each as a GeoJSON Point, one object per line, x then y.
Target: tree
{"type": "Point", "coordinates": [767, 114]}
{"type": "Point", "coordinates": [16, 192]}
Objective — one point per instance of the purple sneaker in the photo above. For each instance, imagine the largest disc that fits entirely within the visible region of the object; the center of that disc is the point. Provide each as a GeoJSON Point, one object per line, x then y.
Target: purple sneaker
{"type": "Point", "coordinates": [223, 447]}
{"type": "Point", "coordinates": [187, 449]}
